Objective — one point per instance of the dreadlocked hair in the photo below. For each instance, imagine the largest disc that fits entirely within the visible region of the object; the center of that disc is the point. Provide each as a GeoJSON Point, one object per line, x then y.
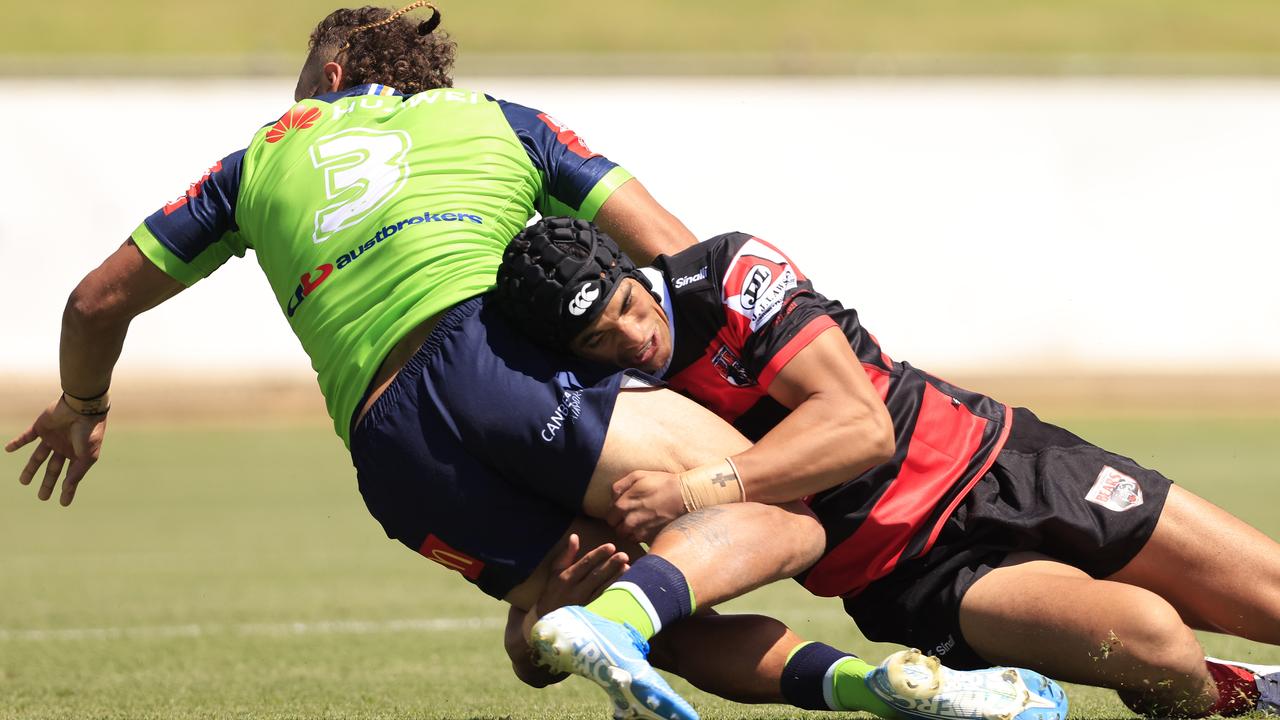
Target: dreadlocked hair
{"type": "Point", "coordinates": [377, 45]}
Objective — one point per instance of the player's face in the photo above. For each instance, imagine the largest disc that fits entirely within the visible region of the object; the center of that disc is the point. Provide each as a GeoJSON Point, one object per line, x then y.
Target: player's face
{"type": "Point", "coordinates": [632, 332]}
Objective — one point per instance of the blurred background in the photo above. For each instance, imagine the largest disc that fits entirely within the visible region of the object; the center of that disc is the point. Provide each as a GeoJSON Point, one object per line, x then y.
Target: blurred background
{"type": "Point", "coordinates": [1069, 205]}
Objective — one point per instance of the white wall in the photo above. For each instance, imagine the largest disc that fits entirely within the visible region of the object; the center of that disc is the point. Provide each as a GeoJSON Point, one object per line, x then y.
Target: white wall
{"type": "Point", "coordinates": [1071, 223]}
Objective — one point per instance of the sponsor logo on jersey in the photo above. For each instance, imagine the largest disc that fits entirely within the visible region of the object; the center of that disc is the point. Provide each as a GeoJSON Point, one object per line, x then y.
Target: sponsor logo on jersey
{"type": "Point", "coordinates": [690, 279]}
{"type": "Point", "coordinates": [582, 302]}
{"type": "Point", "coordinates": [312, 279]}
{"type": "Point", "coordinates": [298, 118]}
{"type": "Point", "coordinates": [757, 279]}
{"type": "Point", "coordinates": [568, 410]}
{"type": "Point", "coordinates": [194, 190]}
{"type": "Point", "coordinates": [1114, 490]}
{"type": "Point", "coordinates": [770, 300]}
{"type": "Point", "coordinates": [568, 138]}
{"type": "Point", "coordinates": [433, 548]}
{"type": "Point", "coordinates": [731, 368]}
{"type": "Point", "coordinates": [757, 282]}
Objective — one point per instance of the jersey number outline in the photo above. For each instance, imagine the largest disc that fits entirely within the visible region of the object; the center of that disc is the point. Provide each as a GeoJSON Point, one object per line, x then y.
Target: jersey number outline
{"type": "Point", "coordinates": [363, 169]}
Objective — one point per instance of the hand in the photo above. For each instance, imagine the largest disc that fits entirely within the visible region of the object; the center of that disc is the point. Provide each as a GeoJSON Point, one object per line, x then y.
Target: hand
{"type": "Point", "coordinates": [64, 434]}
{"type": "Point", "coordinates": [573, 581]}
{"type": "Point", "coordinates": [577, 580]}
{"type": "Point", "coordinates": [644, 502]}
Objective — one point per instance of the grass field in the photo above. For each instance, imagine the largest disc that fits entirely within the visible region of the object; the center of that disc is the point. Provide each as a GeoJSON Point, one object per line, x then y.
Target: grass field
{"type": "Point", "coordinates": [218, 573]}
{"type": "Point", "coordinates": [241, 35]}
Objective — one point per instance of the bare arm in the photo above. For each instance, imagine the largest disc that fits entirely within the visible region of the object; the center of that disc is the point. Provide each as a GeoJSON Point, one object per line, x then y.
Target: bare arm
{"type": "Point", "coordinates": [642, 228]}
{"type": "Point", "coordinates": [94, 325]}
{"type": "Point", "coordinates": [838, 427]}
{"type": "Point", "coordinates": [98, 314]}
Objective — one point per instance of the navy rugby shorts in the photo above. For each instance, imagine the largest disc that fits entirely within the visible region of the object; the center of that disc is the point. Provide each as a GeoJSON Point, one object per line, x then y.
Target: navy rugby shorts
{"type": "Point", "coordinates": [478, 454]}
{"type": "Point", "coordinates": [1048, 492]}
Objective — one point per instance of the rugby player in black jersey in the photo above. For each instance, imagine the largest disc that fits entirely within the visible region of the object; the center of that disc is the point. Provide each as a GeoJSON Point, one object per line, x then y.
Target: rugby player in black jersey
{"type": "Point", "coordinates": [987, 536]}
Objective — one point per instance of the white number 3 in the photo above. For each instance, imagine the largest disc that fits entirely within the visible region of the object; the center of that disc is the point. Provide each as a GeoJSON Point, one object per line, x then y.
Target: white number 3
{"type": "Point", "coordinates": [362, 170]}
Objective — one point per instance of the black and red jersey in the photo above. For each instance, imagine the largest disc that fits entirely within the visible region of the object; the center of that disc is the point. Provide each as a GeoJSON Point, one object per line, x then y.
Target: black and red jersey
{"type": "Point", "coordinates": [740, 310]}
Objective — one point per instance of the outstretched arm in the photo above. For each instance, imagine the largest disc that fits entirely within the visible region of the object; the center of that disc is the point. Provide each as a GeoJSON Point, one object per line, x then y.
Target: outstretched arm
{"type": "Point", "coordinates": [70, 431]}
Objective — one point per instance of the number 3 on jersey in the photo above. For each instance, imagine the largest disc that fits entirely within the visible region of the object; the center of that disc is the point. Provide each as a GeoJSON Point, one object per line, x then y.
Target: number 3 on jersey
{"type": "Point", "coordinates": [362, 170]}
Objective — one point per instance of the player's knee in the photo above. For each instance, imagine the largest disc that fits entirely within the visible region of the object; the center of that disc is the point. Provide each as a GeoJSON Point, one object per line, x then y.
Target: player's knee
{"type": "Point", "coordinates": [1152, 632]}
{"type": "Point", "coordinates": [799, 531]}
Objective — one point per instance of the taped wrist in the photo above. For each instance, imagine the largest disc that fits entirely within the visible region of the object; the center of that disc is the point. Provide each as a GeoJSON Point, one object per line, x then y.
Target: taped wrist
{"type": "Point", "coordinates": [713, 484]}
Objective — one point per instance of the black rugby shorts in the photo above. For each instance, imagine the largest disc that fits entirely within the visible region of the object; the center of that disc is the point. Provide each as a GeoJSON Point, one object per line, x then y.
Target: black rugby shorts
{"type": "Point", "coordinates": [1048, 492]}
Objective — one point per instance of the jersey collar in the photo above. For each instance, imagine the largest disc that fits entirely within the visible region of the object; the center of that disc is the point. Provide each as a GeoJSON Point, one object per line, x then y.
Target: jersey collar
{"type": "Point", "coordinates": [367, 89]}
{"type": "Point", "coordinates": [659, 283]}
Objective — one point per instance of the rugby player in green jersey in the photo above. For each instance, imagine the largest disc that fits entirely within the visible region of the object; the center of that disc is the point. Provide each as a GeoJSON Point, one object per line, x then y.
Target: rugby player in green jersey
{"type": "Point", "coordinates": [378, 207]}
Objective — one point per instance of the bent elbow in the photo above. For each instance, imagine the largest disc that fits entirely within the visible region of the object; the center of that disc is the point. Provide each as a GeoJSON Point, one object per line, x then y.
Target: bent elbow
{"type": "Point", "coordinates": [881, 441]}
{"type": "Point", "coordinates": [93, 309]}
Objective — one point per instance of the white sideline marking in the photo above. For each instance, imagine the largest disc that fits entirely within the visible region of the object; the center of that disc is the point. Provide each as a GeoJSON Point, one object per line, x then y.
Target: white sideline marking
{"type": "Point", "coordinates": [320, 627]}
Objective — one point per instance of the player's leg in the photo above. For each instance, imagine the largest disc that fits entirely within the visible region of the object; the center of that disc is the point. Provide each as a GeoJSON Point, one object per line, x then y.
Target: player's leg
{"type": "Point", "coordinates": [1038, 613]}
{"type": "Point", "coordinates": [725, 550]}
{"type": "Point", "coordinates": [1221, 574]}
{"type": "Point", "coordinates": [755, 659]}
{"type": "Point", "coordinates": [701, 559]}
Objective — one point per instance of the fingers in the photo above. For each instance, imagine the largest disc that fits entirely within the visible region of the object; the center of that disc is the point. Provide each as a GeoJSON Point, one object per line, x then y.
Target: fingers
{"type": "Point", "coordinates": [72, 482]}
{"type": "Point", "coordinates": [51, 473]}
{"type": "Point", "coordinates": [26, 437]}
{"type": "Point", "coordinates": [567, 553]}
{"type": "Point", "coordinates": [588, 562]}
{"type": "Point", "coordinates": [625, 483]}
{"type": "Point", "coordinates": [33, 464]}
{"type": "Point", "coordinates": [604, 574]}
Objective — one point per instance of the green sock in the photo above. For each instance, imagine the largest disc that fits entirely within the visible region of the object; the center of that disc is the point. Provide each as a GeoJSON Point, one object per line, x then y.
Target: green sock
{"type": "Point", "coordinates": [850, 691]}
{"type": "Point", "coordinates": [653, 593]}
{"type": "Point", "coordinates": [619, 605]}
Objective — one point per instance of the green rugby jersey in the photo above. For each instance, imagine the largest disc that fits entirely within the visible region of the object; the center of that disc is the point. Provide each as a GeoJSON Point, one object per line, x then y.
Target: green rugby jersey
{"type": "Point", "coordinates": [370, 211]}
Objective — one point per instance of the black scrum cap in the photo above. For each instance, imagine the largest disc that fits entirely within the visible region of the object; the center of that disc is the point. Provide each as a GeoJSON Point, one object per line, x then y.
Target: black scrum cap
{"type": "Point", "coordinates": [557, 276]}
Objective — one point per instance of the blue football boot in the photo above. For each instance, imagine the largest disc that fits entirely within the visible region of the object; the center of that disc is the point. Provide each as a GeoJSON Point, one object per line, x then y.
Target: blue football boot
{"type": "Point", "coordinates": [919, 686]}
{"type": "Point", "coordinates": [613, 656]}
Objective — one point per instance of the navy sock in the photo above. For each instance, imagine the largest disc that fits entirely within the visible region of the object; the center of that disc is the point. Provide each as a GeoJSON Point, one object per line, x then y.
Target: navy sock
{"type": "Point", "coordinates": [649, 596]}
{"type": "Point", "coordinates": [804, 679]}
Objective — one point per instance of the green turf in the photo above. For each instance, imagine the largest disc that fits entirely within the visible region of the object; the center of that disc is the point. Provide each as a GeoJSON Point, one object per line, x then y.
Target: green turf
{"type": "Point", "coordinates": [170, 588]}
{"type": "Point", "coordinates": [227, 31]}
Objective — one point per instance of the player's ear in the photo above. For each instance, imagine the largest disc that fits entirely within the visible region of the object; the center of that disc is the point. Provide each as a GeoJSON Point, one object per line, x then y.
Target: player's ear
{"type": "Point", "coordinates": [332, 73]}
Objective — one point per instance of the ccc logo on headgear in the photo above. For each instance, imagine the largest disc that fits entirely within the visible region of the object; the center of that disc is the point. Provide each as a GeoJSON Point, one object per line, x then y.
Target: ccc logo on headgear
{"type": "Point", "coordinates": [582, 302]}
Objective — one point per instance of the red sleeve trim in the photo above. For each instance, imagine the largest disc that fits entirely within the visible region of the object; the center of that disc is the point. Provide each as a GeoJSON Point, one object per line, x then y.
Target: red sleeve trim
{"type": "Point", "coordinates": [813, 329]}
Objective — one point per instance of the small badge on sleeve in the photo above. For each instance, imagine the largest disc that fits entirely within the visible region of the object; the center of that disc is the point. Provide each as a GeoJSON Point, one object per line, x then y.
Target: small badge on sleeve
{"type": "Point", "coordinates": [1114, 490]}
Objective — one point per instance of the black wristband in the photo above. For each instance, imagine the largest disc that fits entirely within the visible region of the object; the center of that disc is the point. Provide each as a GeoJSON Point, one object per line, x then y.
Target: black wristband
{"type": "Point", "coordinates": [86, 399]}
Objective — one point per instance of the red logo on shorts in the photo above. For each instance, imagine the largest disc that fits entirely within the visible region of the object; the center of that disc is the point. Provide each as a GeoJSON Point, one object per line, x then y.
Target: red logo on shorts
{"type": "Point", "coordinates": [435, 549]}
{"type": "Point", "coordinates": [297, 118]}
{"type": "Point", "coordinates": [568, 138]}
{"type": "Point", "coordinates": [193, 191]}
